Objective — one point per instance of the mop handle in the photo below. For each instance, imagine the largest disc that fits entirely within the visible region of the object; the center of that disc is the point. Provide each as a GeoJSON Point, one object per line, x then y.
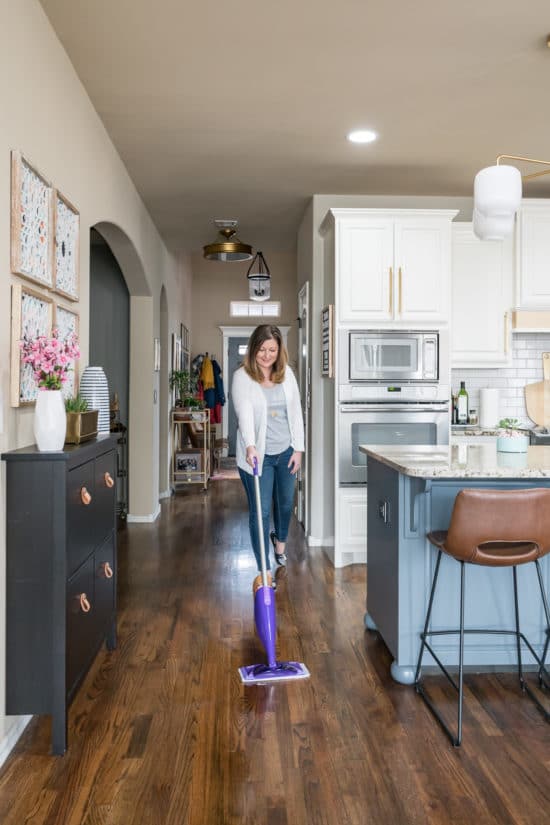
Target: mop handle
{"type": "Point", "coordinates": [260, 521]}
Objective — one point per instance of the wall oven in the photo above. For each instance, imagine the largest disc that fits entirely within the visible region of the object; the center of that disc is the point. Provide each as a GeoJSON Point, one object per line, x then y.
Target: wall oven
{"type": "Point", "coordinates": [381, 423]}
{"type": "Point", "coordinates": [389, 356]}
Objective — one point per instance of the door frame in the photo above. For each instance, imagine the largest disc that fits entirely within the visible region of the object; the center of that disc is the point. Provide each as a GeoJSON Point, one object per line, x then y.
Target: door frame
{"type": "Point", "coordinates": [304, 382]}
{"type": "Point", "coordinates": [237, 332]}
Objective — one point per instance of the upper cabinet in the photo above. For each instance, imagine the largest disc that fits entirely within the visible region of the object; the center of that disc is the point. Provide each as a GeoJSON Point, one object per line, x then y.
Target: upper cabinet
{"type": "Point", "coordinates": [482, 294]}
{"type": "Point", "coordinates": [392, 265]}
{"type": "Point", "coordinates": [533, 255]}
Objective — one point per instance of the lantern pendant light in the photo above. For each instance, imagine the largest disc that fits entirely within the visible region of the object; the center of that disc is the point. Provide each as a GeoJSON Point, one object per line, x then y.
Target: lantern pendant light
{"type": "Point", "coordinates": [259, 279]}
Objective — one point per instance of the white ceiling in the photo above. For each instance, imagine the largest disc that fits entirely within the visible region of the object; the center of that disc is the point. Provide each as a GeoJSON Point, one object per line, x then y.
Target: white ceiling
{"type": "Point", "coordinates": [240, 110]}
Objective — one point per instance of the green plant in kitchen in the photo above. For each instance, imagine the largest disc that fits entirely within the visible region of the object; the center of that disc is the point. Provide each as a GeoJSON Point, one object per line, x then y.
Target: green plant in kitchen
{"type": "Point", "coordinates": [185, 385]}
{"type": "Point", "coordinates": [76, 404]}
{"type": "Point", "coordinates": [511, 425]}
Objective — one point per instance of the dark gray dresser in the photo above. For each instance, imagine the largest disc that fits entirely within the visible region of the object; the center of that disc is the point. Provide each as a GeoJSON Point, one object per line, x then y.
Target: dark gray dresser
{"type": "Point", "coordinates": [61, 574]}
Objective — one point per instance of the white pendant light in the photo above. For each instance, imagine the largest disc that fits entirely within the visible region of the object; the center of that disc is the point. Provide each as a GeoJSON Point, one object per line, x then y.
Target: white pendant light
{"type": "Point", "coordinates": [492, 228]}
{"type": "Point", "coordinates": [497, 197]}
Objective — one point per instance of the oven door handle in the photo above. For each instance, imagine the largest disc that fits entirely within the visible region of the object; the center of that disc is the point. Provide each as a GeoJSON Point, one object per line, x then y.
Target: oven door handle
{"type": "Point", "coordinates": [391, 408]}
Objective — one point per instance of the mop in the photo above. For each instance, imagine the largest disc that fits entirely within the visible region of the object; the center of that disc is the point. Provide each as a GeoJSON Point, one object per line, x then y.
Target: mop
{"type": "Point", "coordinates": [265, 620]}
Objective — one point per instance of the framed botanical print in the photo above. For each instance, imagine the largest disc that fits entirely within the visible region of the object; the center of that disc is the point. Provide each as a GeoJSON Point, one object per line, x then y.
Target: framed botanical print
{"type": "Point", "coordinates": [67, 245]}
{"type": "Point", "coordinates": [32, 222]}
{"type": "Point", "coordinates": [66, 321]}
{"type": "Point", "coordinates": [31, 316]}
{"type": "Point", "coordinates": [327, 342]}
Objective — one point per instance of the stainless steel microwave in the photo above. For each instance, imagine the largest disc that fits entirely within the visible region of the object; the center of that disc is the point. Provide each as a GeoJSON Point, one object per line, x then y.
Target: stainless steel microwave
{"type": "Point", "coordinates": [392, 356]}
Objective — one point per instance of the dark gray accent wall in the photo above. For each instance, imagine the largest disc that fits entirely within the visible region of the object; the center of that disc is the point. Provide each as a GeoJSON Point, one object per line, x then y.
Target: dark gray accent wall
{"type": "Point", "coordinates": [109, 320]}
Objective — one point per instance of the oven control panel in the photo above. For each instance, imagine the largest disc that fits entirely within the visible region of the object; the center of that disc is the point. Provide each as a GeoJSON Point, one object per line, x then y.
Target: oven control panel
{"type": "Point", "coordinates": [393, 393]}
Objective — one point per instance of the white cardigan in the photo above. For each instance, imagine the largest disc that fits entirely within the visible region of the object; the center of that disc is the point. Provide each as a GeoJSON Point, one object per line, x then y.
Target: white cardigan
{"type": "Point", "coordinates": [251, 408]}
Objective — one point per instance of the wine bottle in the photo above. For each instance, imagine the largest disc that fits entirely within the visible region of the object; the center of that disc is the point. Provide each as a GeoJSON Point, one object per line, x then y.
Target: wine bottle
{"type": "Point", "coordinates": [462, 404]}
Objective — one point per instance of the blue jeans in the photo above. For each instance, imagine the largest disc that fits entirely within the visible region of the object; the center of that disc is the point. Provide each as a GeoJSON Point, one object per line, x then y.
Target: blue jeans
{"type": "Point", "coordinates": [276, 486]}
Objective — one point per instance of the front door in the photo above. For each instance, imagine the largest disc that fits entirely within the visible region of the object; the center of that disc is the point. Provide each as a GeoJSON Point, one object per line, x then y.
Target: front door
{"type": "Point", "coordinates": [235, 353]}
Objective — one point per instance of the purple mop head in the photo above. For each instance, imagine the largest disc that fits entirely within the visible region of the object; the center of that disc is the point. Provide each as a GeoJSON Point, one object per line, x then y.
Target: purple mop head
{"type": "Point", "coordinates": [273, 671]}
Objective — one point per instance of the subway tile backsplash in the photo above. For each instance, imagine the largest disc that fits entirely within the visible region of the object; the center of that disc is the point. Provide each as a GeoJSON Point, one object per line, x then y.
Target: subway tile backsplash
{"type": "Point", "coordinates": [526, 367]}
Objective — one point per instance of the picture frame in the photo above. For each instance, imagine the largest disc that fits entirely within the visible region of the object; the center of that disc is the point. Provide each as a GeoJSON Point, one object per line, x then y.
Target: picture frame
{"type": "Point", "coordinates": [32, 223]}
{"type": "Point", "coordinates": [327, 341]}
{"type": "Point", "coordinates": [66, 247]}
{"type": "Point", "coordinates": [31, 315]}
{"type": "Point", "coordinates": [156, 354]}
{"type": "Point", "coordinates": [67, 321]}
{"type": "Point", "coordinates": [187, 462]}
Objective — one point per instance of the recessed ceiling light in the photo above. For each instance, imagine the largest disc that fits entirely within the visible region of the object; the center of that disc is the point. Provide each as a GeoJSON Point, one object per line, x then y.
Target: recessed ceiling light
{"type": "Point", "coordinates": [362, 136]}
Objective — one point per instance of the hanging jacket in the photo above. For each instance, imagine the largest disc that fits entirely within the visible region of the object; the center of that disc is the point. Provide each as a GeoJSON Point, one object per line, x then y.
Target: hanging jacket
{"type": "Point", "coordinates": [218, 383]}
{"type": "Point", "coordinates": [207, 374]}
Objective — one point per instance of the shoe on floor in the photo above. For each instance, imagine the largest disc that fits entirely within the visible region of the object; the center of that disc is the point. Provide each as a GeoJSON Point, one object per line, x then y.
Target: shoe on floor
{"type": "Point", "coordinates": [280, 558]}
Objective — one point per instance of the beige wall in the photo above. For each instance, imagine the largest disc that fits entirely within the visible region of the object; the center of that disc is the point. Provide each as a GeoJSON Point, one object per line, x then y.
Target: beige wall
{"type": "Point", "coordinates": [216, 284]}
{"type": "Point", "coordinates": [47, 115]}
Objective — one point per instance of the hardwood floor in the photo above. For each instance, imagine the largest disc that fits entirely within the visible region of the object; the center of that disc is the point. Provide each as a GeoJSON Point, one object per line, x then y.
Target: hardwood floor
{"type": "Point", "coordinates": [162, 731]}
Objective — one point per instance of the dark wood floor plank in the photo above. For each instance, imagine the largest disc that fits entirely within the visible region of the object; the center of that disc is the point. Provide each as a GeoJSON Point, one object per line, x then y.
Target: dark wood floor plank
{"type": "Point", "coordinates": [163, 732]}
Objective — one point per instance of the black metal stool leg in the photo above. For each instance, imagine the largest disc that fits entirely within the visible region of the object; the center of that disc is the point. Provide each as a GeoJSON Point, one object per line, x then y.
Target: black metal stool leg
{"type": "Point", "coordinates": [428, 617]}
{"type": "Point", "coordinates": [543, 669]}
{"type": "Point", "coordinates": [461, 654]}
{"type": "Point", "coordinates": [518, 636]}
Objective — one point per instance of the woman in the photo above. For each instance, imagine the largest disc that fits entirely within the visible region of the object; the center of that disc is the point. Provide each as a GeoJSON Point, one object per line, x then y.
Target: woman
{"type": "Point", "coordinates": [271, 429]}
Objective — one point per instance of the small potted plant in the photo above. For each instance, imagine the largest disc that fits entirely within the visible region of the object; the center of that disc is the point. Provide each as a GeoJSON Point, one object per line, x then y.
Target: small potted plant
{"type": "Point", "coordinates": [185, 385]}
{"type": "Point", "coordinates": [81, 422]}
{"type": "Point", "coordinates": [511, 438]}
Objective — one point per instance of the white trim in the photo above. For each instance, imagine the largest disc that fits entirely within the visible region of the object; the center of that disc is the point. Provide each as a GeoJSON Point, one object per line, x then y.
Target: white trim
{"type": "Point", "coordinates": [237, 332]}
{"type": "Point", "coordinates": [166, 493]}
{"type": "Point", "coordinates": [318, 541]}
{"type": "Point", "coordinates": [9, 741]}
{"type": "Point", "coordinates": [144, 519]}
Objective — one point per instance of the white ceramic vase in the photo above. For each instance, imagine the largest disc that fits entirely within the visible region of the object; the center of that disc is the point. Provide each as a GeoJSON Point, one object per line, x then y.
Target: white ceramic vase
{"type": "Point", "coordinates": [95, 389]}
{"type": "Point", "coordinates": [50, 421]}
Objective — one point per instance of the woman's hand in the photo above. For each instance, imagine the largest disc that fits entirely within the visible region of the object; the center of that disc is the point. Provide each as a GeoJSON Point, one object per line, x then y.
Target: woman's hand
{"type": "Point", "coordinates": [295, 463]}
{"type": "Point", "coordinates": [251, 454]}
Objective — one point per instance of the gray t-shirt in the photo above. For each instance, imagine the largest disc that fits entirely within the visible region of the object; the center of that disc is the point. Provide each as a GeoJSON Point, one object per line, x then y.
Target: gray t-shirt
{"type": "Point", "coordinates": [277, 438]}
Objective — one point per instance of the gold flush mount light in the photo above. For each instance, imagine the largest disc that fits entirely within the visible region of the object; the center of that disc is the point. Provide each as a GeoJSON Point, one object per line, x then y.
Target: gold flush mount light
{"type": "Point", "coordinates": [228, 247]}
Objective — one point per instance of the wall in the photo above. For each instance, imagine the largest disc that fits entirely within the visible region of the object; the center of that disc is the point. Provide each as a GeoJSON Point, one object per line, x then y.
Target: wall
{"type": "Point", "coordinates": [526, 367]}
{"type": "Point", "coordinates": [48, 116]}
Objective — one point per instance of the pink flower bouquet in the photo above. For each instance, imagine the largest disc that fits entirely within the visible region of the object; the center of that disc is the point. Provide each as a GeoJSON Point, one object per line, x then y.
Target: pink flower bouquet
{"type": "Point", "coordinates": [50, 358]}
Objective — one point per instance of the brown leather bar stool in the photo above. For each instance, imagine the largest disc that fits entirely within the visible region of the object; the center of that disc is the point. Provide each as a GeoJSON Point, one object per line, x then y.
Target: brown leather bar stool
{"type": "Point", "coordinates": [495, 528]}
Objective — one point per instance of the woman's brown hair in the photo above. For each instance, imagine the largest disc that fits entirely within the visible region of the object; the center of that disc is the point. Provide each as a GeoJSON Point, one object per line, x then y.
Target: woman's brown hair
{"type": "Point", "coordinates": [263, 333]}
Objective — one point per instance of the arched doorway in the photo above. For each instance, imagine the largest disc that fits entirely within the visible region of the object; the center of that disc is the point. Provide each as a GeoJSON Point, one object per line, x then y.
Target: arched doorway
{"type": "Point", "coordinates": [110, 311]}
{"type": "Point", "coordinates": [142, 431]}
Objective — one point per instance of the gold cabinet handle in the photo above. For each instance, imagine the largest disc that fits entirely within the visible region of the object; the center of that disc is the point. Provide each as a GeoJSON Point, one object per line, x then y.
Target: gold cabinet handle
{"type": "Point", "coordinates": [109, 481]}
{"type": "Point", "coordinates": [391, 290]}
{"type": "Point", "coordinates": [85, 605]}
{"type": "Point", "coordinates": [400, 284]}
{"type": "Point", "coordinates": [506, 333]}
{"type": "Point", "coordinates": [85, 496]}
{"type": "Point", "coordinates": [107, 570]}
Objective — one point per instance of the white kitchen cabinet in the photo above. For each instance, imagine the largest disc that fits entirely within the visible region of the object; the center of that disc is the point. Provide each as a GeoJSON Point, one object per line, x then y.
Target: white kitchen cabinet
{"type": "Point", "coordinates": [351, 526]}
{"type": "Point", "coordinates": [533, 255]}
{"type": "Point", "coordinates": [482, 294]}
{"type": "Point", "coordinates": [392, 265]}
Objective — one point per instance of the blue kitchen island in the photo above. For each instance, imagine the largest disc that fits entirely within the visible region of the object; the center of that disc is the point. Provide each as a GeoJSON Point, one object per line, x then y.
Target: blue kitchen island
{"type": "Point", "coordinates": [411, 491]}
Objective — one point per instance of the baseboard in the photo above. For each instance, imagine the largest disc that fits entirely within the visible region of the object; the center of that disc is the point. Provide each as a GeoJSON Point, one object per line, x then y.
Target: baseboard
{"type": "Point", "coordinates": [144, 519]}
{"type": "Point", "coordinates": [316, 541]}
{"type": "Point", "coordinates": [165, 493]}
{"type": "Point", "coordinates": [350, 556]}
{"type": "Point", "coordinates": [8, 742]}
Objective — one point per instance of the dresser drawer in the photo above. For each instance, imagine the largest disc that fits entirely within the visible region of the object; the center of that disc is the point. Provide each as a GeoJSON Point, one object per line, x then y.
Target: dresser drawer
{"type": "Point", "coordinates": [104, 498]}
{"type": "Point", "coordinates": [81, 516]}
{"type": "Point", "coordinates": [80, 623]}
{"type": "Point", "coordinates": [104, 586]}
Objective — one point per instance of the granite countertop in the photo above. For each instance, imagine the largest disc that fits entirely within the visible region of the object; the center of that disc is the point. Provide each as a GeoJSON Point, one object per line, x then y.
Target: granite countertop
{"type": "Point", "coordinates": [470, 430]}
{"type": "Point", "coordinates": [462, 461]}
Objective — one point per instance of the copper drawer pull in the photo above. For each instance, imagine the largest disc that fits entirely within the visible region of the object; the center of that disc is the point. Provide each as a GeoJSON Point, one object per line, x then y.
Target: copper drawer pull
{"type": "Point", "coordinates": [109, 481]}
{"type": "Point", "coordinates": [85, 496]}
{"type": "Point", "coordinates": [107, 570]}
{"type": "Point", "coordinates": [85, 605]}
